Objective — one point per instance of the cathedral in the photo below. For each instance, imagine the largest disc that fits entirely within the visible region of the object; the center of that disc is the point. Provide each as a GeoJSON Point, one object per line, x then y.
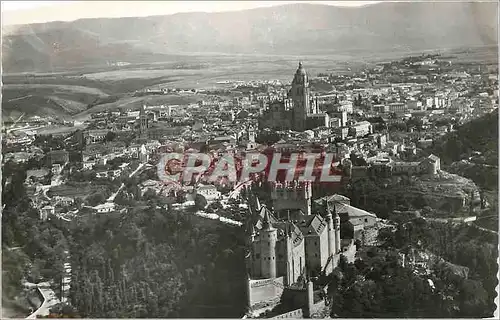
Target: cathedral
{"type": "Point", "coordinates": [299, 111]}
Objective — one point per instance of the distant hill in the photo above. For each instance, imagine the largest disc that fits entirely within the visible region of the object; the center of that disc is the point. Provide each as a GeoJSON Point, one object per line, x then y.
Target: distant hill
{"type": "Point", "coordinates": [286, 29]}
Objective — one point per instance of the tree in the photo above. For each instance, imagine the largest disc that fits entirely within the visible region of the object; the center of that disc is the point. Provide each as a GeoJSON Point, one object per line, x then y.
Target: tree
{"type": "Point", "coordinates": [110, 136]}
{"type": "Point", "coordinates": [96, 198]}
{"type": "Point", "coordinates": [150, 194]}
{"type": "Point", "coordinates": [200, 201]}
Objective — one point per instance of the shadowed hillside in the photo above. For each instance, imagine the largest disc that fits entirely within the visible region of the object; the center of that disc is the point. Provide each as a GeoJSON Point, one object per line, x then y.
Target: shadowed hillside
{"type": "Point", "coordinates": [456, 151]}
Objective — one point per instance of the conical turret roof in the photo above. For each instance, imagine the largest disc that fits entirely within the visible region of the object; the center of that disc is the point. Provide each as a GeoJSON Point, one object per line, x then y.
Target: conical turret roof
{"type": "Point", "coordinates": [266, 222]}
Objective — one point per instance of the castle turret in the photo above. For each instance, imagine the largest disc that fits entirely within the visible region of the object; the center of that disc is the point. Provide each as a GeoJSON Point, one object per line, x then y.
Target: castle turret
{"type": "Point", "coordinates": [248, 287]}
{"type": "Point", "coordinates": [289, 255]}
{"type": "Point", "coordinates": [310, 298]}
{"type": "Point", "coordinates": [336, 225]}
{"type": "Point", "coordinates": [268, 239]}
{"type": "Point", "coordinates": [251, 232]}
{"type": "Point", "coordinates": [331, 234]}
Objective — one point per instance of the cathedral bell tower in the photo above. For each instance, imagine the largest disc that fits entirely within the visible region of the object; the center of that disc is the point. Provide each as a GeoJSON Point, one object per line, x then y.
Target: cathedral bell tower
{"type": "Point", "coordinates": [143, 118]}
{"type": "Point", "coordinates": [301, 98]}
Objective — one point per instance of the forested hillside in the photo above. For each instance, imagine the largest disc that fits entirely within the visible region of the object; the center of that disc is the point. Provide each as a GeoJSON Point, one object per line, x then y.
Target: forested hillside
{"type": "Point", "coordinates": [149, 262]}
{"type": "Point", "coordinates": [480, 134]}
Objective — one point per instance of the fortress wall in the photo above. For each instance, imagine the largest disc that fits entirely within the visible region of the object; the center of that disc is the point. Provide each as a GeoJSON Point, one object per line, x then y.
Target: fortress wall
{"type": "Point", "coordinates": [265, 290]}
{"type": "Point", "coordinates": [294, 314]}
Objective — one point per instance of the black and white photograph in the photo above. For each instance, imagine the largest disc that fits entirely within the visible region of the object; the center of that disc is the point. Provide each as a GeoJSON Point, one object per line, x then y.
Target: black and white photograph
{"type": "Point", "coordinates": [249, 159]}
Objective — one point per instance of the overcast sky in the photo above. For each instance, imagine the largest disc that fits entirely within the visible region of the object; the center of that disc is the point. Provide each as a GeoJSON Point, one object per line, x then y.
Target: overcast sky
{"type": "Point", "coordinates": [23, 12]}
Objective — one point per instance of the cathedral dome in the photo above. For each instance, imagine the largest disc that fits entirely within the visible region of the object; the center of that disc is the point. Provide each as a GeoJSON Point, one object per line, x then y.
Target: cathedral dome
{"type": "Point", "coordinates": [301, 70]}
{"type": "Point", "coordinates": [300, 75]}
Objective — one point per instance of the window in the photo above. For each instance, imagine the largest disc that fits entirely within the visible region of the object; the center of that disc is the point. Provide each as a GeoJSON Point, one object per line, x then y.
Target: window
{"type": "Point", "coordinates": [366, 220]}
{"type": "Point", "coordinates": [257, 256]}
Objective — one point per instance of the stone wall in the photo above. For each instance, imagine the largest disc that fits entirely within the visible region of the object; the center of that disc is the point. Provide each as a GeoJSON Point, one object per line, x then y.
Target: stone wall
{"type": "Point", "coordinates": [265, 290]}
{"type": "Point", "coordinates": [294, 314]}
{"type": "Point", "coordinates": [317, 307]}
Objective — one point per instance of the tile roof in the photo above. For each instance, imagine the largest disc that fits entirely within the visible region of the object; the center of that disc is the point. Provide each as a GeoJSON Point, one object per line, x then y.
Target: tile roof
{"type": "Point", "coordinates": [333, 198]}
{"type": "Point", "coordinates": [312, 225]}
{"type": "Point", "coordinates": [353, 211]}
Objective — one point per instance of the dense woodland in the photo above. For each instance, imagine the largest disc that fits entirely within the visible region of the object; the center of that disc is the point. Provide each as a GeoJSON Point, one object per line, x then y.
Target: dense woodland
{"type": "Point", "coordinates": [462, 245]}
{"type": "Point", "coordinates": [157, 263]}
{"type": "Point", "coordinates": [477, 135]}
{"type": "Point", "coordinates": [380, 286]}
{"type": "Point", "coordinates": [149, 262]}
{"type": "Point", "coordinates": [30, 248]}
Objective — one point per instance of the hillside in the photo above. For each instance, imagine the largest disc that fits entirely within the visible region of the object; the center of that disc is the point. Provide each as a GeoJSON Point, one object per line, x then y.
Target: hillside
{"type": "Point", "coordinates": [442, 193]}
{"type": "Point", "coordinates": [62, 47]}
{"type": "Point", "coordinates": [57, 101]}
{"type": "Point", "coordinates": [456, 151]}
{"type": "Point", "coordinates": [286, 29]}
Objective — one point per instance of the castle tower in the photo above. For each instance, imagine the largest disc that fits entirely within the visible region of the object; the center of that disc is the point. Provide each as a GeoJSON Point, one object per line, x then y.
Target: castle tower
{"type": "Point", "coordinates": [292, 195]}
{"type": "Point", "coordinates": [268, 239]}
{"type": "Point", "coordinates": [143, 118]}
{"type": "Point", "coordinates": [301, 98]}
{"type": "Point", "coordinates": [336, 225]}
{"type": "Point", "coordinates": [289, 255]}
{"type": "Point", "coordinates": [310, 298]}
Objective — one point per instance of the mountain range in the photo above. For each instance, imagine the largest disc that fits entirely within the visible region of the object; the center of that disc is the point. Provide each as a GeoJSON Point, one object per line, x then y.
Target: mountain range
{"type": "Point", "coordinates": [286, 29]}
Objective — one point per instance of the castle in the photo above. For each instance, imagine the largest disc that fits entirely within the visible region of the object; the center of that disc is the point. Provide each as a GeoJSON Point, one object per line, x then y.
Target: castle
{"type": "Point", "coordinates": [294, 242]}
{"type": "Point", "coordinates": [299, 111]}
